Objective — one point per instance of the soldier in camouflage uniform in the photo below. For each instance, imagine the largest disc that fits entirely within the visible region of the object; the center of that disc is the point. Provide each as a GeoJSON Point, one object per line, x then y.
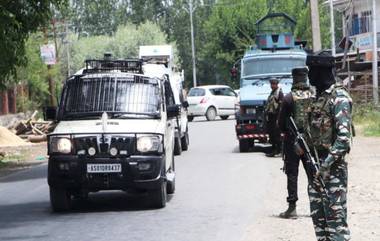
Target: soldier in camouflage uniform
{"type": "Point", "coordinates": [330, 130]}
{"type": "Point", "coordinates": [296, 104]}
{"type": "Point", "coordinates": [272, 109]}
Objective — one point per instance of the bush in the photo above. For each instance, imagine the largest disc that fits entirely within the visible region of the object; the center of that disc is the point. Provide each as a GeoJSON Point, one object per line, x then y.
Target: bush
{"type": "Point", "coordinates": [367, 118]}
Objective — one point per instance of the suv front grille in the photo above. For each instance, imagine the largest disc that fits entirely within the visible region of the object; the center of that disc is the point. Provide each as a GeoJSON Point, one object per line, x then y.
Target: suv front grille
{"type": "Point", "coordinates": [125, 145]}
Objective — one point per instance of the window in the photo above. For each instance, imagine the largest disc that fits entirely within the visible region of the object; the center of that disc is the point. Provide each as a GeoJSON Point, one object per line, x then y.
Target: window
{"type": "Point", "coordinates": [361, 24]}
{"type": "Point", "coordinates": [365, 22]}
{"type": "Point", "coordinates": [197, 92]}
{"type": "Point", "coordinates": [270, 66]}
{"type": "Point", "coordinates": [111, 94]}
{"type": "Point", "coordinates": [218, 91]}
{"type": "Point", "coordinates": [228, 92]}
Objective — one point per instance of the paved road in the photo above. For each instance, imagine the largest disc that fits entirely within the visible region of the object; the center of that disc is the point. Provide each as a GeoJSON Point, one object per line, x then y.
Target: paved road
{"type": "Point", "coordinates": [218, 192]}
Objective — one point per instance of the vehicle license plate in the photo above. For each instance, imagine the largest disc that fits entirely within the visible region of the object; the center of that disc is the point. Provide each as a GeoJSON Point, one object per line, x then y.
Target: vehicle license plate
{"type": "Point", "coordinates": [251, 111]}
{"type": "Point", "coordinates": [103, 168]}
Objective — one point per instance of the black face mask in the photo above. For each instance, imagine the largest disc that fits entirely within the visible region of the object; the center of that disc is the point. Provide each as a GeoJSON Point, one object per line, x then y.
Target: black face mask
{"type": "Point", "coordinates": [322, 78]}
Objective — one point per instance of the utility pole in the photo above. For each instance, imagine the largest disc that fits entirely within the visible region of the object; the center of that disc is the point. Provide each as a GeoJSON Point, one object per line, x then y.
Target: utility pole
{"type": "Point", "coordinates": [52, 100]}
{"type": "Point", "coordinates": [191, 11]}
{"type": "Point", "coordinates": [374, 57]}
{"type": "Point", "coordinates": [315, 28]}
{"type": "Point", "coordinates": [67, 49]}
{"type": "Point", "coordinates": [332, 27]}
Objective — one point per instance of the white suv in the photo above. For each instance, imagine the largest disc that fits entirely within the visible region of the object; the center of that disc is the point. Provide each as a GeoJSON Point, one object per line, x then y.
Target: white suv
{"type": "Point", "coordinates": [211, 101]}
{"type": "Point", "coordinates": [115, 131]}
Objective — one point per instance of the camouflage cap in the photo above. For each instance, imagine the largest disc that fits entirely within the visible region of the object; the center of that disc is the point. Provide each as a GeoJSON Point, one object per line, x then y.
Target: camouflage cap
{"type": "Point", "coordinates": [300, 78]}
{"type": "Point", "coordinates": [274, 80]}
{"type": "Point", "coordinates": [300, 71]}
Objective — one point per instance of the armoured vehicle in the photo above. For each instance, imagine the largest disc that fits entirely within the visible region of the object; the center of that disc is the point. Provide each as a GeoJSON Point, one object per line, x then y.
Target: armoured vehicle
{"type": "Point", "coordinates": [276, 53]}
{"type": "Point", "coordinates": [115, 131]}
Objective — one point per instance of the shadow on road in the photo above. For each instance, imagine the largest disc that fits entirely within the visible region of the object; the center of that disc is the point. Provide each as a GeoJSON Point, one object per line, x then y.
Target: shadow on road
{"type": "Point", "coordinates": [257, 148]}
{"type": "Point", "coordinates": [111, 201]}
{"type": "Point", "coordinates": [23, 214]}
{"type": "Point", "coordinates": [26, 174]}
{"type": "Point", "coordinates": [203, 119]}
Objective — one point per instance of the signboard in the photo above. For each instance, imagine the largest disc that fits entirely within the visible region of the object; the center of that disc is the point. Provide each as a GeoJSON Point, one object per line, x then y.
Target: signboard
{"type": "Point", "coordinates": [48, 54]}
{"type": "Point", "coordinates": [364, 41]}
{"type": "Point", "coordinates": [156, 50]}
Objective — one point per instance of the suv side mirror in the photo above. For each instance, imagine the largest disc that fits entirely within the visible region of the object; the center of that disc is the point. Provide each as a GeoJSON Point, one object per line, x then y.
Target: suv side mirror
{"type": "Point", "coordinates": [173, 111]}
{"type": "Point", "coordinates": [50, 113]}
{"type": "Point", "coordinates": [185, 104]}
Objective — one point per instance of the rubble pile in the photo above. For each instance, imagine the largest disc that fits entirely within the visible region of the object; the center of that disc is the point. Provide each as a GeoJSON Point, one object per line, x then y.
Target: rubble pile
{"type": "Point", "coordinates": [33, 130]}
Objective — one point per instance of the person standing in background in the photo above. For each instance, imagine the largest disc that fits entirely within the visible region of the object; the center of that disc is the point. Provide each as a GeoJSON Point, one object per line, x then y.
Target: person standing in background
{"type": "Point", "coordinates": [272, 109]}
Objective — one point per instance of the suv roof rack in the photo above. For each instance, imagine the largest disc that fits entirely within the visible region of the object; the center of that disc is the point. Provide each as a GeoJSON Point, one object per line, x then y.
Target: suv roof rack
{"type": "Point", "coordinates": [104, 65]}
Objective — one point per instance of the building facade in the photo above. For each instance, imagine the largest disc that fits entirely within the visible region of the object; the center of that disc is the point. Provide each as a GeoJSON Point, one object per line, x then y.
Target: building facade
{"type": "Point", "coordinates": [359, 25]}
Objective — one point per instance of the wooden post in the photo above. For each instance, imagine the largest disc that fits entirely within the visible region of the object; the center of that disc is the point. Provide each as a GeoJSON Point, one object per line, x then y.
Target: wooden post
{"type": "Point", "coordinates": [4, 102]}
{"type": "Point", "coordinates": [375, 75]}
{"type": "Point", "coordinates": [53, 101]}
{"type": "Point", "coordinates": [12, 99]}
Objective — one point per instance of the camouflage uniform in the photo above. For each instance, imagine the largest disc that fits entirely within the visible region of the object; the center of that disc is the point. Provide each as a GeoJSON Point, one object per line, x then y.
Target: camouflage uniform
{"type": "Point", "coordinates": [330, 130]}
{"type": "Point", "coordinates": [272, 109]}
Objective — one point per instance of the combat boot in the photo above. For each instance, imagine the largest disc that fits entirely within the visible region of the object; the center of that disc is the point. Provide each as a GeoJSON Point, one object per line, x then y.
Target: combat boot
{"type": "Point", "coordinates": [291, 212]}
{"type": "Point", "coordinates": [272, 153]}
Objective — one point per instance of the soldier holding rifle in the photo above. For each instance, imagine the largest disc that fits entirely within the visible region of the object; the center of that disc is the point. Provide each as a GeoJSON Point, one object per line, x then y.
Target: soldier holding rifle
{"type": "Point", "coordinates": [296, 105]}
{"type": "Point", "coordinates": [330, 129]}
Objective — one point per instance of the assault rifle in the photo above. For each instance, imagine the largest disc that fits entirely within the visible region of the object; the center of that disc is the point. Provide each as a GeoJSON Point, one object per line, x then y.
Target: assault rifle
{"type": "Point", "coordinates": [302, 149]}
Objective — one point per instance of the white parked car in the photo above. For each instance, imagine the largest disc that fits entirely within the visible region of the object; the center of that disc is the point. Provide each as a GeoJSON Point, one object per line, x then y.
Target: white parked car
{"type": "Point", "coordinates": [211, 101]}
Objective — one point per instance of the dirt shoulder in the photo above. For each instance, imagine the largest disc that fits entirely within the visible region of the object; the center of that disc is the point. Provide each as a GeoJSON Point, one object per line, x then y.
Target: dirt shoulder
{"type": "Point", "coordinates": [14, 158]}
{"type": "Point", "coordinates": [363, 200]}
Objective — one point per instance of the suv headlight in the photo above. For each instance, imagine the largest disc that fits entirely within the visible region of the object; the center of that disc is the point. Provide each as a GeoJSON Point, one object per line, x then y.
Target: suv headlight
{"type": "Point", "coordinates": [60, 144]}
{"type": "Point", "coordinates": [149, 143]}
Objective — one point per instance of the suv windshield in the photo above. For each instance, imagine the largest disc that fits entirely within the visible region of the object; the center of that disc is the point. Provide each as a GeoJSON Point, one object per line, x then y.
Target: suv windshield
{"type": "Point", "coordinates": [90, 96]}
{"type": "Point", "coordinates": [270, 66]}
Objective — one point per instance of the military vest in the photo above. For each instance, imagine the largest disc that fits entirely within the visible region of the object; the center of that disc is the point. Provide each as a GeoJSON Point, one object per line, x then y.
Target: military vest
{"type": "Point", "coordinates": [302, 100]}
{"type": "Point", "coordinates": [273, 104]}
{"type": "Point", "coordinates": [322, 124]}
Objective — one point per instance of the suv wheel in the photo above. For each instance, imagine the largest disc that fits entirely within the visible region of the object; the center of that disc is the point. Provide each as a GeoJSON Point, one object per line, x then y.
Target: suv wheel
{"type": "Point", "coordinates": [158, 196]}
{"type": "Point", "coordinates": [244, 145]}
{"type": "Point", "coordinates": [224, 117]}
{"type": "Point", "coordinates": [60, 199]}
{"type": "Point", "coordinates": [177, 146]}
{"type": "Point", "coordinates": [185, 141]}
{"type": "Point", "coordinates": [190, 118]}
{"type": "Point", "coordinates": [170, 185]}
{"type": "Point", "coordinates": [211, 114]}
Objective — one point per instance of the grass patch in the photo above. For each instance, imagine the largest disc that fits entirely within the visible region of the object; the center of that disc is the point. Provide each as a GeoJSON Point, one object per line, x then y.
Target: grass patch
{"type": "Point", "coordinates": [2, 164]}
{"type": "Point", "coordinates": [11, 159]}
{"type": "Point", "coordinates": [367, 119]}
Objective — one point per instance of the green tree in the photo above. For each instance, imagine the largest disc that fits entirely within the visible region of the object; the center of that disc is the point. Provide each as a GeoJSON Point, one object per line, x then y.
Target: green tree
{"type": "Point", "coordinates": [176, 25]}
{"type": "Point", "coordinates": [124, 44]}
{"type": "Point", "coordinates": [231, 29]}
{"type": "Point", "coordinates": [33, 76]}
{"type": "Point", "coordinates": [18, 19]}
{"type": "Point", "coordinates": [94, 17]}
{"type": "Point", "coordinates": [152, 10]}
